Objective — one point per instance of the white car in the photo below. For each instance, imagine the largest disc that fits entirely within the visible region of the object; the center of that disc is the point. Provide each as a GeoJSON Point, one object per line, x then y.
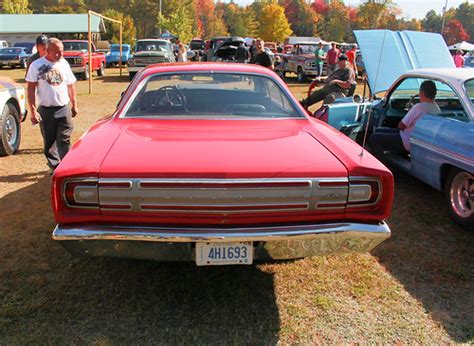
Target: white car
{"type": "Point", "coordinates": [12, 113]}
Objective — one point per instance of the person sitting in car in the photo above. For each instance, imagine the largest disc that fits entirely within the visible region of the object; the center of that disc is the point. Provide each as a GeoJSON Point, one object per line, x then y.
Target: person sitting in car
{"type": "Point", "coordinates": [338, 84]}
{"type": "Point", "coordinates": [397, 141]}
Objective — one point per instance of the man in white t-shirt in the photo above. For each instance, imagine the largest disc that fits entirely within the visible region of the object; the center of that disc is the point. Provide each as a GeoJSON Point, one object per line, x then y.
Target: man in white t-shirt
{"type": "Point", "coordinates": [398, 140]}
{"type": "Point", "coordinates": [50, 91]}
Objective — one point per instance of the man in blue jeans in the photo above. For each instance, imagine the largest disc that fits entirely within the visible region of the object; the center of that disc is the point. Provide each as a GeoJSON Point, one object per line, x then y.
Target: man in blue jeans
{"type": "Point", "coordinates": [397, 141]}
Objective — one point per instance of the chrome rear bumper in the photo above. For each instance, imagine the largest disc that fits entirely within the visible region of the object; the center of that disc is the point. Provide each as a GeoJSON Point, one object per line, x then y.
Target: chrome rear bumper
{"type": "Point", "coordinates": [177, 244]}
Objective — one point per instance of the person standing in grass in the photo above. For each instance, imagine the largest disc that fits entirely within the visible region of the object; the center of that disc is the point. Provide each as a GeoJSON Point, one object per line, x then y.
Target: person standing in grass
{"type": "Point", "coordinates": [51, 90]}
{"type": "Point", "coordinates": [319, 56]}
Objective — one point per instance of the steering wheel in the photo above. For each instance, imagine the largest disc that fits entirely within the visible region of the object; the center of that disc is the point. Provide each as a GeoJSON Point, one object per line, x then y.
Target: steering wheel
{"type": "Point", "coordinates": [171, 96]}
{"type": "Point", "coordinates": [411, 103]}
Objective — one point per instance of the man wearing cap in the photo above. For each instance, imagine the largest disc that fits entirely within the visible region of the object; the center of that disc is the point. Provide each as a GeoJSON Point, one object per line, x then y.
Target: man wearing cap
{"type": "Point", "coordinates": [40, 50]}
{"type": "Point", "coordinates": [338, 83]}
{"type": "Point", "coordinates": [52, 101]}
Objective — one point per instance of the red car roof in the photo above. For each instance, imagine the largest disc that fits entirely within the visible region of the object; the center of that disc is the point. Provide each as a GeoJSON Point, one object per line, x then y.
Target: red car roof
{"type": "Point", "coordinates": [208, 67]}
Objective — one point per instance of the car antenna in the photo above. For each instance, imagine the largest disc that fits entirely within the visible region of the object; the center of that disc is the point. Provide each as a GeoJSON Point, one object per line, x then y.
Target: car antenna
{"type": "Point", "coordinates": [375, 88]}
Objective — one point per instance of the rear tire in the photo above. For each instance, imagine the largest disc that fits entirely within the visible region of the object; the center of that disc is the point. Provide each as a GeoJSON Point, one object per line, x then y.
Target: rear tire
{"type": "Point", "coordinates": [300, 76]}
{"type": "Point", "coordinates": [459, 196]}
{"type": "Point", "coordinates": [10, 130]}
{"type": "Point", "coordinates": [85, 75]}
{"type": "Point", "coordinates": [101, 70]}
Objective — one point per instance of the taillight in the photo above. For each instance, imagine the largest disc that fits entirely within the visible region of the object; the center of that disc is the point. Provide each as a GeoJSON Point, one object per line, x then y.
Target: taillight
{"type": "Point", "coordinates": [363, 191]}
{"type": "Point", "coordinates": [81, 193]}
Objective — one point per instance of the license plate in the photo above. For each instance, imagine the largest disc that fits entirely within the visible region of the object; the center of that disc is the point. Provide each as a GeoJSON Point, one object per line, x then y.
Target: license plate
{"type": "Point", "coordinates": [208, 254]}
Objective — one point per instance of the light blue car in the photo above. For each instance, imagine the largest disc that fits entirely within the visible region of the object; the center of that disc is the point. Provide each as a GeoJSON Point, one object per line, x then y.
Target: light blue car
{"type": "Point", "coordinates": [112, 58]}
{"type": "Point", "coordinates": [442, 146]}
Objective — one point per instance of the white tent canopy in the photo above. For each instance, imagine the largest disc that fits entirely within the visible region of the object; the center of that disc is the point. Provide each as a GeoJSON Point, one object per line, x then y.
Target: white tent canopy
{"type": "Point", "coordinates": [466, 46]}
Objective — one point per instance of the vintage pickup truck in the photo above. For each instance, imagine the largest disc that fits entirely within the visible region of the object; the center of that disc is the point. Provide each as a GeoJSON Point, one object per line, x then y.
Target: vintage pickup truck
{"type": "Point", "coordinates": [149, 52]}
{"type": "Point", "coordinates": [301, 60]}
{"type": "Point", "coordinates": [76, 54]}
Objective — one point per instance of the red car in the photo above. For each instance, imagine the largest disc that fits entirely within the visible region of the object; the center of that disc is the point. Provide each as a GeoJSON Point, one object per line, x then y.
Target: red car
{"type": "Point", "coordinates": [76, 54]}
{"type": "Point", "coordinates": [217, 164]}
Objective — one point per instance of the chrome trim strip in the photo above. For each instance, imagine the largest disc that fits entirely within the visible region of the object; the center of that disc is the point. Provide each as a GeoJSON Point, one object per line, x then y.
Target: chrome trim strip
{"type": "Point", "coordinates": [190, 198]}
{"type": "Point", "coordinates": [186, 235]}
{"type": "Point", "coordinates": [431, 147]}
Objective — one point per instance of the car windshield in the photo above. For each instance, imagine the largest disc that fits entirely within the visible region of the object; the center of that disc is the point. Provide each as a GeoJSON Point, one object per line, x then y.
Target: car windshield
{"type": "Point", "coordinates": [115, 48]}
{"type": "Point", "coordinates": [11, 50]}
{"type": "Point", "coordinates": [212, 95]}
{"type": "Point", "coordinates": [307, 48]}
{"type": "Point", "coordinates": [153, 45]}
{"type": "Point", "coordinates": [469, 62]}
{"type": "Point", "coordinates": [75, 46]}
{"type": "Point", "coordinates": [469, 85]}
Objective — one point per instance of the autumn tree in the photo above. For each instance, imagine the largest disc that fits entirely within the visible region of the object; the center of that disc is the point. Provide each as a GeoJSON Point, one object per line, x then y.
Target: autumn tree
{"type": "Point", "coordinates": [16, 7]}
{"type": "Point", "coordinates": [274, 25]}
{"type": "Point", "coordinates": [454, 32]}
{"type": "Point", "coordinates": [113, 29]}
{"type": "Point", "coordinates": [209, 21]}
{"type": "Point", "coordinates": [337, 25]}
{"type": "Point", "coordinates": [375, 14]}
{"type": "Point", "coordinates": [179, 22]}
{"type": "Point", "coordinates": [302, 18]}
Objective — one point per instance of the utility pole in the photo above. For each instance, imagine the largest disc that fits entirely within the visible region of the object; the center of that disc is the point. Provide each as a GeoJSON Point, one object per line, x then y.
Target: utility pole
{"type": "Point", "coordinates": [160, 16]}
{"type": "Point", "coordinates": [444, 16]}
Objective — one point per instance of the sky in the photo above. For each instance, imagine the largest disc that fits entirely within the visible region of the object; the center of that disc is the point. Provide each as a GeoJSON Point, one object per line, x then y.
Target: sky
{"type": "Point", "coordinates": [410, 8]}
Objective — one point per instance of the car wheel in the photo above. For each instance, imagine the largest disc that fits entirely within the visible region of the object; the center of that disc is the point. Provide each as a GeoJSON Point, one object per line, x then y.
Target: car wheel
{"type": "Point", "coordinates": [24, 64]}
{"type": "Point", "coordinates": [459, 195]}
{"type": "Point", "coordinates": [101, 71]}
{"type": "Point", "coordinates": [300, 76]}
{"type": "Point", "coordinates": [10, 131]}
{"type": "Point", "coordinates": [131, 75]}
{"type": "Point", "coordinates": [85, 74]}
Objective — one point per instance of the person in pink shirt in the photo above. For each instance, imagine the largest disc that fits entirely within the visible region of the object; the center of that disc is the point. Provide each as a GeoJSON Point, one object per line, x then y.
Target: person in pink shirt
{"type": "Point", "coordinates": [332, 58]}
{"type": "Point", "coordinates": [458, 59]}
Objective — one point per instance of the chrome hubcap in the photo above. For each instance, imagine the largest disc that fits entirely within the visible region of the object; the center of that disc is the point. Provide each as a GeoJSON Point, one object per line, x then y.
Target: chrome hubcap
{"type": "Point", "coordinates": [11, 129]}
{"type": "Point", "coordinates": [462, 194]}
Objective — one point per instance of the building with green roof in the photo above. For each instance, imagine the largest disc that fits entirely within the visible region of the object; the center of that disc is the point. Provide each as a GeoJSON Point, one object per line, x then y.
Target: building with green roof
{"type": "Point", "coordinates": [26, 27]}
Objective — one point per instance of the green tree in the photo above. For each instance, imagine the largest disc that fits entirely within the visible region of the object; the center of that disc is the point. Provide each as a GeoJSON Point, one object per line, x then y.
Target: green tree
{"type": "Point", "coordinates": [273, 24]}
{"type": "Point", "coordinates": [178, 22]}
{"type": "Point", "coordinates": [465, 14]}
{"type": "Point", "coordinates": [16, 7]}
{"type": "Point", "coordinates": [432, 22]}
{"type": "Point", "coordinates": [129, 31]}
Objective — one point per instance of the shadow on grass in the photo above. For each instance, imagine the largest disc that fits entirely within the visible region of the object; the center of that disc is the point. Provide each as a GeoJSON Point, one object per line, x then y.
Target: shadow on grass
{"type": "Point", "coordinates": [115, 78]}
{"type": "Point", "coordinates": [50, 297]}
{"type": "Point", "coordinates": [431, 256]}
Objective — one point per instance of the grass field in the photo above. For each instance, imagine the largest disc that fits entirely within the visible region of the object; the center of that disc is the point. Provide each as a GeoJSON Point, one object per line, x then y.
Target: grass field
{"type": "Point", "coordinates": [417, 287]}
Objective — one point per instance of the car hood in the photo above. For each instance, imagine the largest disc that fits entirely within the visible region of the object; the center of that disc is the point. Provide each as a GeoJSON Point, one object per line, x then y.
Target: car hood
{"type": "Point", "coordinates": [218, 149]}
{"type": "Point", "coordinates": [389, 54]}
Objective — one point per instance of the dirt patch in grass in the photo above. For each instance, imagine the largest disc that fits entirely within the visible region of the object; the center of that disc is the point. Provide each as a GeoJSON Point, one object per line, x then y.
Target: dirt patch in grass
{"type": "Point", "coordinates": [416, 287]}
